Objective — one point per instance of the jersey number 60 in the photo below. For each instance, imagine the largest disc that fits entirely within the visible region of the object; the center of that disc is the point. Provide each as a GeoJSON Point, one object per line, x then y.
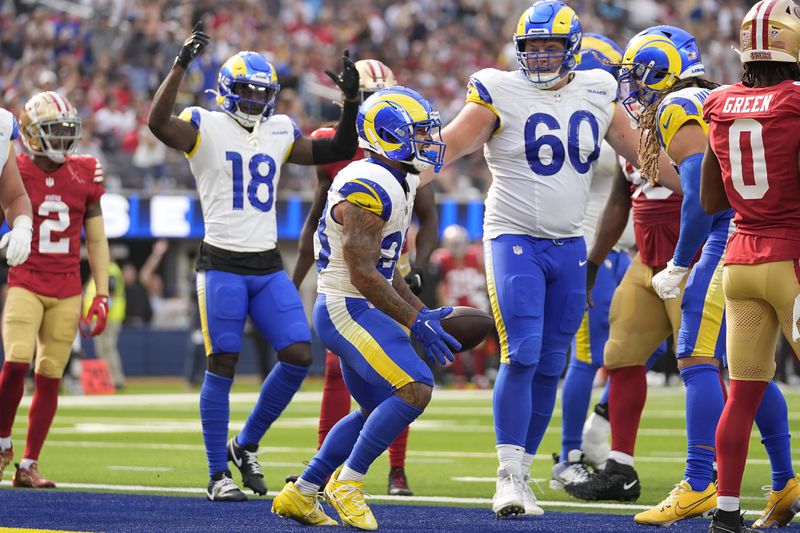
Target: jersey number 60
{"type": "Point", "coordinates": [534, 144]}
{"type": "Point", "coordinates": [257, 178]}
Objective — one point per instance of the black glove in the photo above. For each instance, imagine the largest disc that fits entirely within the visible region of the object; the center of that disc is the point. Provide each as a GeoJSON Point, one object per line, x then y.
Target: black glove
{"type": "Point", "coordinates": [192, 46]}
{"type": "Point", "coordinates": [591, 277]}
{"type": "Point", "coordinates": [415, 280]}
{"type": "Point", "coordinates": [348, 79]}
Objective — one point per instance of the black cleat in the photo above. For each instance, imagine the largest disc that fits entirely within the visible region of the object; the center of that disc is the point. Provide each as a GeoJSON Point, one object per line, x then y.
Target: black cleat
{"type": "Point", "coordinates": [398, 482]}
{"type": "Point", "coordinates": [617, 482]}
{"type": "Point", "coordinates": [293, 479]}
{"type": "Point", "coordinates": [601, 409]}
{"type": "Point", "coordinates": [221, 488]}
{"type": "Point", "coordinates": [246, 460]}
{"type": "Point", "coordinates": [729, 522]}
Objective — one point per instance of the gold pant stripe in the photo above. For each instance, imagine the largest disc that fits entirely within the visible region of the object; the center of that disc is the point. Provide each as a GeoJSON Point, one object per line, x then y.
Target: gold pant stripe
{"type": "Point", "coordinates": [492, 288]}
{"type": "Point", "coordinates": [201, 303]}
{"type": "Point", "coordinates": [365, 343]}
{"type": "Point", "coordinates": [583, 343]}
{"type": "Point", "coordinates": [711, 318]}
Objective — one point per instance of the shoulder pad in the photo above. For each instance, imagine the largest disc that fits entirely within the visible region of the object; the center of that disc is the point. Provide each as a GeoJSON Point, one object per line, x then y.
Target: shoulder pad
{"type": "Point", "coordinates": [679, 108]}
{"type": "Point", "coordinates": [192, 115]}
{"type": "Point", "coordinates": [367, 194]}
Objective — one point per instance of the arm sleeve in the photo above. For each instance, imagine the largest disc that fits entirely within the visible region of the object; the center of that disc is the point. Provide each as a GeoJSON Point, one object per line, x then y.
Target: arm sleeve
{"type": "Point", "coordinates": [344, 142]}
{"type": "Point", "coordinates": [695, 222]}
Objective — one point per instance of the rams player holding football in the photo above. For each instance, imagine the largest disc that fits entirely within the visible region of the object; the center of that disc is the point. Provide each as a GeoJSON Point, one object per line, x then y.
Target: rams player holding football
{"type": "Point", "coordinates": [236, 155]}
{"type": "Point", "coordinates": [365, 309]}
{"type": "Point", "coordinates": [541, 127]}
{"type": "Point", "coordinates": [751, 164]}
{"type": "Point", "coordinates": [43, 307]}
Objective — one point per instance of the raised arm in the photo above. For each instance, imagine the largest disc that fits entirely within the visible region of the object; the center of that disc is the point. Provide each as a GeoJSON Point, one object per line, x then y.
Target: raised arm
{"type": "Point", "coordinates": [713, 197]}
{"type": "Point", "coordinates": [305, 245]}
{"type": "Point", "coordinates": [169, 129]}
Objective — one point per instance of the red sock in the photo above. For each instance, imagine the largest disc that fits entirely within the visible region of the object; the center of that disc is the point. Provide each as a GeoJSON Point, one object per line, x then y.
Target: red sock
{"type": "Point", "coordinates": [627, 394]}
{"type": "Point", "coordinates": [724, 388]}
{"type": "Point", "coordinates": [43, 409]}
{"type": "Point", "coordinates": [12, 387]}
{"type": "Point", "coordinates": [335, 396]}
{"type": "Point", "coordinates": [397, 450]}
{"type": "Point", "coordinates": [733, 433]}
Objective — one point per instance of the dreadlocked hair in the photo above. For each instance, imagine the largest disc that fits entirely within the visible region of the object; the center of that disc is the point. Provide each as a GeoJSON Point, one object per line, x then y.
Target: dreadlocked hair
{"type": "Point", "coordinates": [649, 145]}
{"type": "Point", "coordinates": [768, 73]}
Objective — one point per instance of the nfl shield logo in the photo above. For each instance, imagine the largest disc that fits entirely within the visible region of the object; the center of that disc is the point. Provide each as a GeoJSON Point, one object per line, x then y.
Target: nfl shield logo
{"type": "Point", "coordinates": [49, 181]}
{"type": "Point", "coordinates": [517, 249]}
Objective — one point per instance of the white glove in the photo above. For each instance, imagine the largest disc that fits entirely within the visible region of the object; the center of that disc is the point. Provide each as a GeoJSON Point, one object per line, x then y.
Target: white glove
{"type": "Point", "coordinates": [667, 282]}
{"type": "Point", "coordinates": [17, 243]}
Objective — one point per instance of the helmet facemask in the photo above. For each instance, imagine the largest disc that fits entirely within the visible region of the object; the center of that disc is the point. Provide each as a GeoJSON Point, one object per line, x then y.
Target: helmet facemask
{"type": "Point", "coordinates": [50, 127]}
{"type": "Point", "coordinates": [253, 101]}
{"type": "Point", "coordinates": [547, 66]}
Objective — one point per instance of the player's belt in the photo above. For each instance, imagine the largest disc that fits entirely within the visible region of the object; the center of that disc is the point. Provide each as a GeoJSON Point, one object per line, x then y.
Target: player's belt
{"type": "Point", "coordinates": [245, 263]}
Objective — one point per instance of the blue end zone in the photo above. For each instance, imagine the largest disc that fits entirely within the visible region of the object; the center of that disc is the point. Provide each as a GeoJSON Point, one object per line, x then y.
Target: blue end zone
{"type": "Point", "coordinates": [125, 513]}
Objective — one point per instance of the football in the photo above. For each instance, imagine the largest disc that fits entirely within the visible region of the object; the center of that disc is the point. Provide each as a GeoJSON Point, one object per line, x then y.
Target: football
{"type": "Point", "coordinates": [468, 325]}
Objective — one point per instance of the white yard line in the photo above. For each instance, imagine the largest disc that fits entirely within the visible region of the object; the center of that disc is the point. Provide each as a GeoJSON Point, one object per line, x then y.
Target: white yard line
{"type": "Point", "coordinates": [382, 498]}
{"type": "Point", "coordinates": [123, 468]}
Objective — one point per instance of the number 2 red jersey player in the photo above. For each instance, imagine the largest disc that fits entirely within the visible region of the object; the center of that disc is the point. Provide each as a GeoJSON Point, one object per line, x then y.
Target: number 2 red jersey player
{"type": "Point", "coordinates": [373, 75]}
{"type": "Point", "coordinates": [751, 164]}
{"type": "Point", "coordinates": [43, 307]}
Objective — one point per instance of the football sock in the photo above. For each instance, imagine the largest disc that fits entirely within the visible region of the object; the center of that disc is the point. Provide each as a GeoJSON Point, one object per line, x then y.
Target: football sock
{"type": "Point", "coordinates": [337, 446]}
{"type": "Point", "coordinates": [527, 462]}
{"type": "Point", "coordinates": [704, 405]}
{"type": "Point", "coordinates": [728, 504]}
{"type": "Point", "coordinates": [733, 435]}
{"type": "Point", "coordinates": [384, 424]}
{"type": "Point", "coordinates": [511, 458]}
{"type": "Point", "coordinates": [214, 415]}
{"type": "Point", "coordinates": [12, 387]}
{"type": "Point", "coordinates": [543, 401]}
{"type": "Point", "coordinates": [397, 450]}
{"type": "Point", "coordinates": [5, 443]}
{"type": "Point", "coordinates": [575, 396]}
{"type": "Point", "coordinates": [335, 397]}
{"type": "Point", "coordinates": [772, 419]}
{"type": "Point", "coordinates": [348, 474]}
{"type": "Point", "coordinates": [276, 392]}
{"type": "Point", "coordinates": [40, 417]}
{"type": "Point", "coordinates": [621, 457]}
{"type": "Point", "coordinates": [627, 395]}
{"type": "Point", "coordinates": [26, 463]}
{"type": "Point", "coordinates": [306, 487]}
{"type": "Point", "coordinates": [512, 403]}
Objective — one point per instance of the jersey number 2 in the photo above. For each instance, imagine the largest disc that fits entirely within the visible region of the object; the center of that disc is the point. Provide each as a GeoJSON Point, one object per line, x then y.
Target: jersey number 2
{"type": "Point", "coordinates": [754, 149]}
{"type": "Point", "coordinates": [257, 178]}
{"type": "Point", "coordinates": [49, 225]}
{"type": "Point", "coordinates": [534, 144]}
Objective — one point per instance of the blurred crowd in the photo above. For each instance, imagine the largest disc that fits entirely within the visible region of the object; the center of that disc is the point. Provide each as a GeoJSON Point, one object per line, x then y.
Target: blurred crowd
{"type": "Point", "coordinates": [109, 56]}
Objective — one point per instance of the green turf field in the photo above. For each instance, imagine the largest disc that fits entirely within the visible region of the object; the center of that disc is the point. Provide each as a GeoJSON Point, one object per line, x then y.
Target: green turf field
{"type": "Point", "coordinates": [150, 437]}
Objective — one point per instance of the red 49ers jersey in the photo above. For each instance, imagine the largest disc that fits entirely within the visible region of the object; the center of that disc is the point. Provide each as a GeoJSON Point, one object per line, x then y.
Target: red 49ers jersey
{"type": "Point", "coordinates": [753, 132]}
{"type": "Point", "coordinates": [464, 282]}
{"type": "Point", "coordinates": [59, 202]}
{"type": "Point", "coordinates": [656, 217]}
{"type": "Point", "coordinates": [331, 169]}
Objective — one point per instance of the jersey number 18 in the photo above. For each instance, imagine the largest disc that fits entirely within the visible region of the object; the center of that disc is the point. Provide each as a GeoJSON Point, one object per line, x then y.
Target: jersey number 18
{"type": "Point", "coordinates": [257, 178]}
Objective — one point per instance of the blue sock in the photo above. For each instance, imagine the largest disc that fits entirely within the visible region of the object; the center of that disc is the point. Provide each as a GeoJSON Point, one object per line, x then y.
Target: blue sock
{"type": "Point", "coordinates": [512, 403]}
{"type": "Point", "coordinates": [704, 404]}
{"type": "Point", "coordinates": [337, 446]}
{"type": "Point", "coordinates": [604, 397]}
{"type": "Point", "coordinates": [215, 412]}
{"type": "Point", "coordinates": [772, 419]}
{"type": "Point", "coordinates": [384, 424]}
{"type": "Point", "coordinates": [276, 392]}
{"type": "Point", "coordinates": [575, 396]}
{"type": "Point", "coordinates": [544, 400]}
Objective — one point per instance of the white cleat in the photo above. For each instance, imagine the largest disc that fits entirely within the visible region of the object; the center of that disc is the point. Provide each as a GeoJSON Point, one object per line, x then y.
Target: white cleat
{"type": "Point", "coordinates": [573, 470]}
{"type": "Point", "coordinates": [508, 499]}
{"type": "Point", "coordinates": [596, 441]}
{"type": "Point", "coordinates": [529, 499]}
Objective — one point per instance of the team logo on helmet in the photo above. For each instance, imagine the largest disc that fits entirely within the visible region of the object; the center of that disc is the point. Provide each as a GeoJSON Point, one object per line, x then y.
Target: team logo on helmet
{"type": "Point", "coordinates": [50, 126]}
{"type": "Point", "coordinates": [771, 32]}
{"type": "Point", "coordinates": [247, 87]}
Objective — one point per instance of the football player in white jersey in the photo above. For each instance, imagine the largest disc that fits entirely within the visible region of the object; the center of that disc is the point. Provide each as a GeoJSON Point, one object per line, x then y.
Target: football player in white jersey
{"type": "Point", "coordinates": [365, 309]}
{"type": "Point", "coordinates": [236, 156]}
{"type": "Point", "coordinates": [541, 128]}
{"type": "Point", "coordinates": [15, 245]}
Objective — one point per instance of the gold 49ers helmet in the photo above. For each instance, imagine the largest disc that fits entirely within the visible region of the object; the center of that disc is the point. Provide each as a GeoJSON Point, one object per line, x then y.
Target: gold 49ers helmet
{"type": "Point", "coordinates": [50, 126]}
{"type": "Point", "coordinates": [373, 76]}
{"type": "Point", "coordinates": [771, 32]}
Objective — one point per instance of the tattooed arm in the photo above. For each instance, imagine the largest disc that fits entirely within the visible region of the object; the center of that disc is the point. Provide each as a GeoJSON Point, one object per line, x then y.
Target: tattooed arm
{"type": "Point", "coordinates": [405, 291]}
{"type": "Point", "coordinates": [361, 244]}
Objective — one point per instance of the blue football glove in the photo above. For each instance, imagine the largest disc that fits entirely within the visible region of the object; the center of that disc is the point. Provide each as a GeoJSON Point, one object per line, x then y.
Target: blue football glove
{"type": "Point", "coordinates": [427, 329]}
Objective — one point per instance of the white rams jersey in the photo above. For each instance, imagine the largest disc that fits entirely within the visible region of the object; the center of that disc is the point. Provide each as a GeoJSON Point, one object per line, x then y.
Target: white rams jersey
{"type": "Point", "coordinates": [373, 186]}
{"type": "Point", "coordinates": [603, 179]}
{"type": "Point", "coordinates": [9, 131]}
{"type": "Point", "coordinates": [543, 150]}
{"type": "Point", "coordinates": [237, 177]}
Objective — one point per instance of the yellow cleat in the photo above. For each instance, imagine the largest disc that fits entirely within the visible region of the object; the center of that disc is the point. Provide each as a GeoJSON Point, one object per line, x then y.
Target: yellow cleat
{"type": "Point", "coordinates": [682, 502]}
{"type": "Point", "coordinates": [781, 506]}
{"type": "Point", "coordinates": [347, 497]}
{"type": "Point", "coordinates": [291, 503]}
